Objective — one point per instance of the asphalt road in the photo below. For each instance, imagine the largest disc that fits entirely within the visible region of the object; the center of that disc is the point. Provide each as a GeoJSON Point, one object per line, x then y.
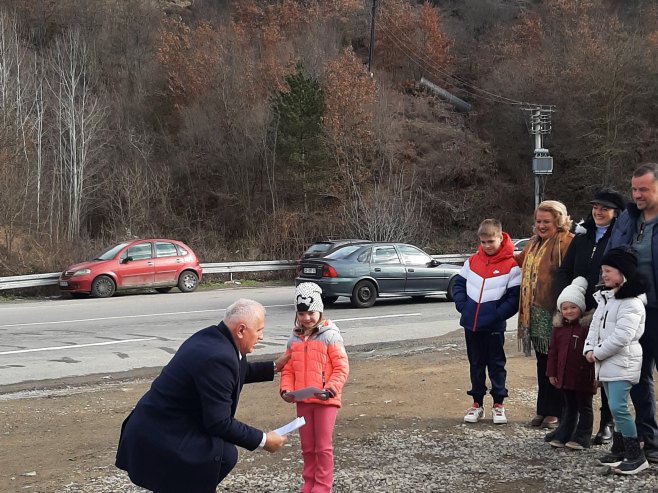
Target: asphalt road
{"type": "Point", "coordinates": [61, 338]}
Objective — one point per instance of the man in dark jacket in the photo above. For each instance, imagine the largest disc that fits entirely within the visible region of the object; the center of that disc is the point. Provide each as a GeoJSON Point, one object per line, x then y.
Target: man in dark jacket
{"type": "Point", "coordinates": [638, 227]}
{"type": "Point", "coordinates": [182, 434]}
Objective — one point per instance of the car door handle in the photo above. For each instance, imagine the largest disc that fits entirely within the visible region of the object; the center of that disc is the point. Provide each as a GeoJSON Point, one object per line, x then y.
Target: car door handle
{"type": "Point", "coordinates": [179, 261]}
{"type": "Point", "coordinates": [410, 270]}
{"type": "Point", "coordinates": [378, 269]}
{"type": "Point", "coordinates": [150, 263]}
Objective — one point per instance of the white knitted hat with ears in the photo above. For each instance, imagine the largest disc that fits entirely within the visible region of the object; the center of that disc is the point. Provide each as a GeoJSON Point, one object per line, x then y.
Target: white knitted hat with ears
{"type": "Point", "coordinates": [308, 297]}
{"type": "Point", "coordinates": [574, 293]}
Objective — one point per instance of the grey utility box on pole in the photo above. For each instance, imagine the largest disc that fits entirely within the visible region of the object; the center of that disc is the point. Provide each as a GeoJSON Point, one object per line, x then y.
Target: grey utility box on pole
{"type": "Point", "coordinates": [542, 163]}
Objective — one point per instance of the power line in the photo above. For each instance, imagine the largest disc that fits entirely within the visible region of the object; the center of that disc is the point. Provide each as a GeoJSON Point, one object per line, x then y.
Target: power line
{"type": "Point", "coordinates": [416, 59]}
{"type": "Point", "coordinates": [429, 65]}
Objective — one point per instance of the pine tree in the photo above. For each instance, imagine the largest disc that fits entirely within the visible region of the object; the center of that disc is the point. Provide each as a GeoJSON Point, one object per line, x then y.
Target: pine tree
{"type": "Point", "coordinates": [301, 150]}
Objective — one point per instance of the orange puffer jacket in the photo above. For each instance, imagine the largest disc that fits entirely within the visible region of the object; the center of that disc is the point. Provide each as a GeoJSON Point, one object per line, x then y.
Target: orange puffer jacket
{"type": "Point", "coordinates": [317, 361]}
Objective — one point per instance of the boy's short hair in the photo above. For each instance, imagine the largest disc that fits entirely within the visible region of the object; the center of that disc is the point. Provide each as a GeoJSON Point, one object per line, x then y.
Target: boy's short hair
{"type": "Point", "coordinates": [490, 227]}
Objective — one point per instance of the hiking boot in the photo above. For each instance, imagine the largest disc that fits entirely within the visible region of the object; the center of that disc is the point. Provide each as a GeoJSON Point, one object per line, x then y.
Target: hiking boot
{"type": "Point", "coordinates": [634, 459]}
{"type": "Point", "coordinates": [616, 455]}
{"type": "Point", "coordinates": [499, 417]}
{"type": "Point", "coordinates": [474, 414]}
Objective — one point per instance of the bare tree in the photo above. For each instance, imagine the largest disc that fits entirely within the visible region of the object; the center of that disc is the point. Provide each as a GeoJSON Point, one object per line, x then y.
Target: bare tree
{"type": "Point", "coordinates": [388, 210]}
{"type": "Point", "coordinates": [79, 121]}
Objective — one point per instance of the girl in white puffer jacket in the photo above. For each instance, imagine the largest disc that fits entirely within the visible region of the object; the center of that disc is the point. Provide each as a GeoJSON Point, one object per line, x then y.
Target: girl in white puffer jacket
{"type": "Point", "coordinates": [613, 345]}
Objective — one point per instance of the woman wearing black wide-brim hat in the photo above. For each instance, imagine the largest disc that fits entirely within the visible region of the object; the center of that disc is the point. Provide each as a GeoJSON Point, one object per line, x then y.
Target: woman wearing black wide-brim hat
{"type": "Point", "coordinates": [583, 258]}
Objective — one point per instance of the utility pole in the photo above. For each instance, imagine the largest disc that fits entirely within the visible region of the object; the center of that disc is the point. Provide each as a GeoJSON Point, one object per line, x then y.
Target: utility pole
{"type": "Point", "coordinates": [371, 52]}
{"type": "Point", "coordinates": [542, 162]}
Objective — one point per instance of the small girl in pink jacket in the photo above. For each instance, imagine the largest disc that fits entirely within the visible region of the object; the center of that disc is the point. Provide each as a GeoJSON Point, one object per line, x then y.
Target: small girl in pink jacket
{"type": "Point", "coordinates": [318, 360]}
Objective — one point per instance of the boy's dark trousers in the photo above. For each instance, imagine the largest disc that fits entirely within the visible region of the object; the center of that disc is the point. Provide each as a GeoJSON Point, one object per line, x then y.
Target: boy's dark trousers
{"type": "Point", "coordinates": [642, 393]}
{"type": "Point", "coordinates": [486, 351]}
{"type": "Point", "coordinates": [577, 418]}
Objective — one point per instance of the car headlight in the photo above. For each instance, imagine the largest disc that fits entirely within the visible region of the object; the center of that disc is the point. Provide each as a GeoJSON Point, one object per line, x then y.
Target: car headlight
{"type": "Point", "coordinates": [81, 272]}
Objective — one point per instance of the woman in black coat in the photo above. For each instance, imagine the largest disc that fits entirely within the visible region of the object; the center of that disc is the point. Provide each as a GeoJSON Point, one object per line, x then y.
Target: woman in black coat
{"type": "Point", "coordinates": [583, 258]}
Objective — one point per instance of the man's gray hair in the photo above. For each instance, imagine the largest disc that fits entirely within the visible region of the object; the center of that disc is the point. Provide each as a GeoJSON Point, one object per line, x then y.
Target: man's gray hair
{"type": "Point", "coordinates": [243, 310]}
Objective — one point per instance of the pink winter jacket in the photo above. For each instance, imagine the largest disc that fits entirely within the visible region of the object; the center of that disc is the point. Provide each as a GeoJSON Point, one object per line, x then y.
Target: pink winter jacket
{"type": "Point", "coordinates": [317, 361]}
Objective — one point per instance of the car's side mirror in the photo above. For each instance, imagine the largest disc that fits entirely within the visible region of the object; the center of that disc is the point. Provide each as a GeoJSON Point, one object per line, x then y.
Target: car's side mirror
{"type": "Point", "coordinates": [434, 262]}
{"type": "Point", "coordinates": [126, 260]}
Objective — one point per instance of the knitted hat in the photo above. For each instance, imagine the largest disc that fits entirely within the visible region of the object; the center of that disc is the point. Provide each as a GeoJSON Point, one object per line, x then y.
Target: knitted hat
{"type": "Point", "coordinates": [308, 297]}
{"type": "Point", "coordinates": [574, 293]}
{"type": "Point", "coordinates": [609, 198]}
{"type": "Point", "coordinates": [622, 259]}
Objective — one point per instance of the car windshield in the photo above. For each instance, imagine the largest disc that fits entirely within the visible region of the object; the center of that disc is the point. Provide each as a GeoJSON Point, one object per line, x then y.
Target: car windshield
{"type": "Point", "coordinates": [111, 253]}
{"type": "Point", "coordinates": [344, 252]}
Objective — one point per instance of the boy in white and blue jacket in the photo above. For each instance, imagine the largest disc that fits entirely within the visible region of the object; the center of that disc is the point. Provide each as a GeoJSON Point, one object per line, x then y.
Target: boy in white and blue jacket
{"type": "Point", "coordinates": [486, 293]}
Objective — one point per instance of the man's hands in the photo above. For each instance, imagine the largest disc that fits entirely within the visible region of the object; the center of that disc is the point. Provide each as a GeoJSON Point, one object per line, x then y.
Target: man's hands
{"type": "Point", "coordinates": [590, 356]}
{"type": "Point", "coordinates": [553, 381]}
{"type": "Point", "coordinates": [281, 361]}
{"type": "Point", "coordinates": [274, 442]}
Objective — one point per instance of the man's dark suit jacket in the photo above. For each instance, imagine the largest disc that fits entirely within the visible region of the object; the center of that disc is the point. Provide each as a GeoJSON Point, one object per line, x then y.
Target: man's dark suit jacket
{"type": "Point", "coordinates": [173, 440]}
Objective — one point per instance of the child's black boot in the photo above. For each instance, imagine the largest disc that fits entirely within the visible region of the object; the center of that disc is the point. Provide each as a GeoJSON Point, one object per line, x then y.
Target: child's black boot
{"type": "Point", "coordinates": [616, 455]}
{"type": "Point", "coordinates": [634, 459]}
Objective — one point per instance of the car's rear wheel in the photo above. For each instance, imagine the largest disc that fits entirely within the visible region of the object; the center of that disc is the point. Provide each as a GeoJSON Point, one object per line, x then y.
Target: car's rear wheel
{"type": "Point", "coordinates": [329, 300]}
{"type": "Point", "coordinates": [103, 287]}
{"type": "Point", "coordinates": [451, 286]}
{"type": "Point", "coordinates": [188, 281]}
{"type": "Point", "coordinates": [163, 290]}
{"type": "Point", "coordinates": [364, 294]}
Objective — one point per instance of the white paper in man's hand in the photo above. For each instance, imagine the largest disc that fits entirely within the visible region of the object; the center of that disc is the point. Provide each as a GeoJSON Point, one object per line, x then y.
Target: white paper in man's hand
{"type": "Point", "coordinates": [295, 424]}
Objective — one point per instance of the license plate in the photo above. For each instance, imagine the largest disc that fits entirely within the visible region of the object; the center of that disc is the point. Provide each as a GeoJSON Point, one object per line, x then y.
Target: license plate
{"type": "Point", "coordinates": [309, 270]}
{"type": "Point", "coordinates": [63, 283]}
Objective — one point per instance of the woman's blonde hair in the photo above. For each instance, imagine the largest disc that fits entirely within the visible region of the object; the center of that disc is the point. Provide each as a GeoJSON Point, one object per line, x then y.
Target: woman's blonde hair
{"type": "Point", "coordinates": [559, 212]}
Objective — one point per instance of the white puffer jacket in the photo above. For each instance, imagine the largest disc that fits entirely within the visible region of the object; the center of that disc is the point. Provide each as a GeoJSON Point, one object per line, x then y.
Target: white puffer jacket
{"type": "Point", "coordinates": [616, 328]}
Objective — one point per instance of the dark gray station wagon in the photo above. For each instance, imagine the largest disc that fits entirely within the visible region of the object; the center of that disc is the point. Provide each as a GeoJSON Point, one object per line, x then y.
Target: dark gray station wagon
{"type": "Point", "coordinates": [368, 271]}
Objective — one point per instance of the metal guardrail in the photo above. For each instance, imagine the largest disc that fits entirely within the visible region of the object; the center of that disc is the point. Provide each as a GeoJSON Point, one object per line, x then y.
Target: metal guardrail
{"type": "Point", "coordinates": [35, 280]}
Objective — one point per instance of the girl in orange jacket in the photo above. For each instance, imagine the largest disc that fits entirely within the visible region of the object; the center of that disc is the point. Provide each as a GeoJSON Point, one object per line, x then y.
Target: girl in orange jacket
{"type": "Point", "coordinates": [317, 360]}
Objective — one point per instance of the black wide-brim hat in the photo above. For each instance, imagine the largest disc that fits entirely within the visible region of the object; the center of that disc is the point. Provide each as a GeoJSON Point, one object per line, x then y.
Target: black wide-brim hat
{"type": "Point", "coordinates": [609, 198]}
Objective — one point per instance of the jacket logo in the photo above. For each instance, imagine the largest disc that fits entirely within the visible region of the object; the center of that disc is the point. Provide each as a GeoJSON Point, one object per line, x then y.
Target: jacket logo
{"type": "Point", "coordinates": [496, 272]}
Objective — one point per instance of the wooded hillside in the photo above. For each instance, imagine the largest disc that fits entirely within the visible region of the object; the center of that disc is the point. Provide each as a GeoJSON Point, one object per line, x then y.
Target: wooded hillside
{"type": "Point", "coordinates": [249, 128]}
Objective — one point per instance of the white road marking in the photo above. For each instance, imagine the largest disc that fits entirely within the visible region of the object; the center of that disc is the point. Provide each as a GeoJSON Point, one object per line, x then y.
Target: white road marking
{"type": "Point", "coordinates": [125, 341]}
{"type": "Point", "coordinates": [55, 348]}
{"type": "Point", "coordinates": [54, 322]}
{"type": "Point", "coordinates": [376, 317]}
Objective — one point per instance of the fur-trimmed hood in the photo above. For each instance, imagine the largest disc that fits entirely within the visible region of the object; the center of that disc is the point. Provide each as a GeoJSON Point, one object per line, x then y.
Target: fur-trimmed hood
{"type": "Point", "coordinates": [584, 321]}
{"type": "Point", "coordinates": [588, 227]}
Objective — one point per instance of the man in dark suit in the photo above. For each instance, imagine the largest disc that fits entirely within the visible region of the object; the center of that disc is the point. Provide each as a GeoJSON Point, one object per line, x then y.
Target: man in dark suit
{"type": "Point", "coordinates": [181, 436]}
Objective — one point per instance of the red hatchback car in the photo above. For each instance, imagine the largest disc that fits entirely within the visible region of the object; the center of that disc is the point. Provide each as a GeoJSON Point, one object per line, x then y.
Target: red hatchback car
{"type": "Point", "coordinates": [156, 263]}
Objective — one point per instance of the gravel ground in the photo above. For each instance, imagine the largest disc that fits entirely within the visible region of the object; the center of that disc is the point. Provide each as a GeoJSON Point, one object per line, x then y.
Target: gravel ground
{"type": "Point", "coordinates": [406, 439]}
{"type": "Point", "coordinates": [422, 459]}
{"type": "Point", "coordinates": [413, 455]}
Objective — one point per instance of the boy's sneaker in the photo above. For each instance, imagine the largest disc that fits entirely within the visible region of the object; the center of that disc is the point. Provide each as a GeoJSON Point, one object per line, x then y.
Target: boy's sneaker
{"type": "Point", "coordinates": [474, 414]}
{"type": "Point", "coordinates": [499, 417]}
